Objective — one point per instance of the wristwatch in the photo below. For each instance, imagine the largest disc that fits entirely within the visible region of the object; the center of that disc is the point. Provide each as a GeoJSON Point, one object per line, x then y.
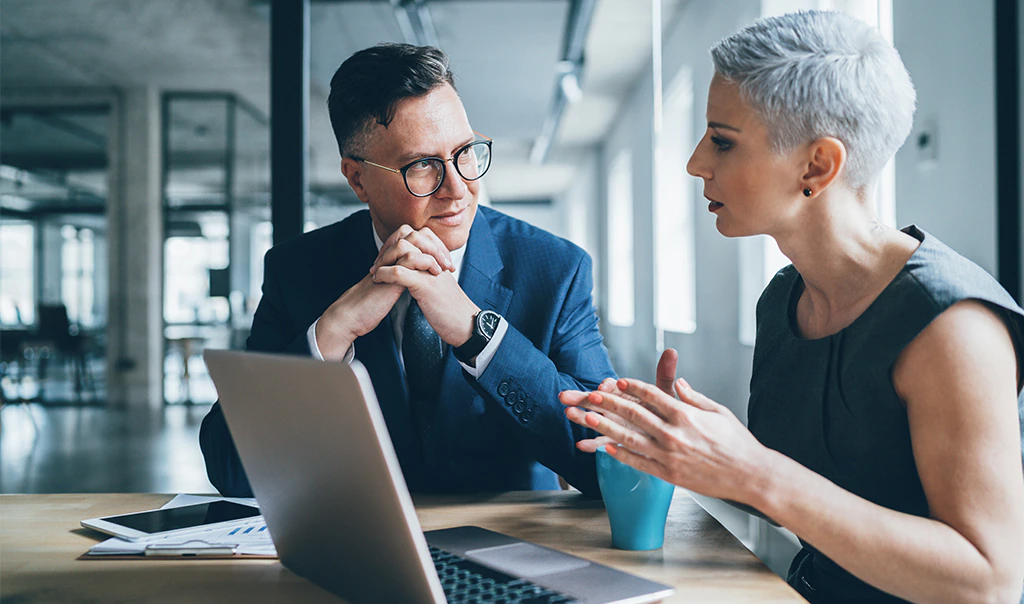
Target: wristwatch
{"type": "Point", "coordinates": [485, 323]}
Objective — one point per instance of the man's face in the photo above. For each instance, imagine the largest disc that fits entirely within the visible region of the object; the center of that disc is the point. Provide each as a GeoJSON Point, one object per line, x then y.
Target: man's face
{"type": "Point", "coordinates": [434, 125]}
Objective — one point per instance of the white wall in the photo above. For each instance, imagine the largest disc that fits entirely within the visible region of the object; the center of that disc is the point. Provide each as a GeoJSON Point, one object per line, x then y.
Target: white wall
{"type": "Point", "coordinates": [948, 47]}
{"type": "Point", "coordinates": [632, 348]}
{"type": "Point", "coordinates": [581, 218]}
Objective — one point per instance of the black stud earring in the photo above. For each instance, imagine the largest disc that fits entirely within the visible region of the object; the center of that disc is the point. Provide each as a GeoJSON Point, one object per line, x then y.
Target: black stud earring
{"type": "Point", "coordinates": [807, 192]}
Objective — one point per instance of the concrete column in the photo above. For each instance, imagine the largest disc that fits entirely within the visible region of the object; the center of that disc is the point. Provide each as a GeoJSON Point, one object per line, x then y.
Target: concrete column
{"type": "Point", "coordinates": [135, 231]}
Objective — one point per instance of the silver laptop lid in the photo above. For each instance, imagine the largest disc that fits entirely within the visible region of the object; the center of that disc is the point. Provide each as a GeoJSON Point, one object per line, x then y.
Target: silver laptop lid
{"type": "Point", "coordinates": [362, 542]}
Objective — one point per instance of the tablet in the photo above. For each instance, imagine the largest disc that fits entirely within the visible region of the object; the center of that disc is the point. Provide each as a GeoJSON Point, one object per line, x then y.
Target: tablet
{"type": "Point", "coordinates": [178, 520]}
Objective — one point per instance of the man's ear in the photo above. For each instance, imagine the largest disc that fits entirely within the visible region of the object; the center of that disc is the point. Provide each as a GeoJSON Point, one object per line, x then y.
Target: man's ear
{"type": "Point", "coordinates": [826, 160]}
{"type": "Point", "coordinates": [353, 171]}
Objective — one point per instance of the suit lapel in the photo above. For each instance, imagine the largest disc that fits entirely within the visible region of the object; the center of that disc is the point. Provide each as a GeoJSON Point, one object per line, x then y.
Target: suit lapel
{"type": "Point", "coordinates": [480, 268]}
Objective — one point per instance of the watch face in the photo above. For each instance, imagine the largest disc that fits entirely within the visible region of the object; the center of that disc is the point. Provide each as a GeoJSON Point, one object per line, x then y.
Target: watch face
{"type": "Point", "coordinates": [488, 322]}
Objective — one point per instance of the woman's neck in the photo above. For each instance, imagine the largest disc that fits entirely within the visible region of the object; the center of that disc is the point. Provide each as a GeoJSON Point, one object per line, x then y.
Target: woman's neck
{"type": "Point", "coordinates": [845, 257]}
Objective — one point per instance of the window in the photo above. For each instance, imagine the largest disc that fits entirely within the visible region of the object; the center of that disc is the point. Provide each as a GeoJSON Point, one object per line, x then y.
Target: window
{"type": "Point", "coordinates": [675, 279]}
{"type": "Point", "coordinates": [17, 274]}
{"type": "Point", "coordinates": [620, 240]}
{"type": "Point", "coordinates": [187, 261]}
{"type": "Point", "coordinates": [262, 239]}
{"type": "Point", "coordinates": [78, 268]}
{"type": "Point", "coordinates": [260, 244]}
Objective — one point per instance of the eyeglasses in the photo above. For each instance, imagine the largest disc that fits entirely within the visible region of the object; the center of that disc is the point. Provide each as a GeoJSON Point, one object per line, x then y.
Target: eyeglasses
{"type": "Point", "coordinates": [423, 177]}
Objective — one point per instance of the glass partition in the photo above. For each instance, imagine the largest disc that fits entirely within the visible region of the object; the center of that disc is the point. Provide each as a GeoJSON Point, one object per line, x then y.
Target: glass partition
{"type": "Point", "coordinates": [53, 253]}
{"type": "Point", "coordinates": [216, 191]}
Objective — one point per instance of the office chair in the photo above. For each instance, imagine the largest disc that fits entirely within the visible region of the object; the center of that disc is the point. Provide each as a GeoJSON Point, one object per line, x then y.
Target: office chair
{"type": "Point", "coordinates": [54, 329]}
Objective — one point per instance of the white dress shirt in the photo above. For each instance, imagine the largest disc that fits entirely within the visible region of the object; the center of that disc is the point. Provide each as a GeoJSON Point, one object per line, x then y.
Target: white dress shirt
{"type": "Point", "coordinates": [397, 315]}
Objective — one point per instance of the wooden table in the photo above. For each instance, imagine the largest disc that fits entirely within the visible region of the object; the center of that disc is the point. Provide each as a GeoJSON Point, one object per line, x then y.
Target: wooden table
{"type": "Point", "coordinates": [41, 539]}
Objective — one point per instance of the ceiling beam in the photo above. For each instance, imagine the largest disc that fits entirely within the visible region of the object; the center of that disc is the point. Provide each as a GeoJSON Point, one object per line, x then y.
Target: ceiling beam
{"type": "Point", "coordinates": [570, 69]}
{"type": "Point", "coordinates": [416, 22]}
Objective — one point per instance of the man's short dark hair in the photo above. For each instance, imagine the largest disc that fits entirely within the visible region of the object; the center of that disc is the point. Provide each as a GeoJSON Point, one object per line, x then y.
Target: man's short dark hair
{"type": "Point", "coordinates": [369, 84]}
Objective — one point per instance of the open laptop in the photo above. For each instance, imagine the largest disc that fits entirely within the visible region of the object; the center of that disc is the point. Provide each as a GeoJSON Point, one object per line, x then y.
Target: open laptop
{"type": "Point", "coordinates": [321, 463]}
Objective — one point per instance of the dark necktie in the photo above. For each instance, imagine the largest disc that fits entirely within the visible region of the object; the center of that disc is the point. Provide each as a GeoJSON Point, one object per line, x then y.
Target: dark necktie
{"type": "Point", "coordinates": [423, 356]}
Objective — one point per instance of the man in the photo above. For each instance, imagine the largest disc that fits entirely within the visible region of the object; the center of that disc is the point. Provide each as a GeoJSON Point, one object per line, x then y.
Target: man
{"type": "Point", "coordinates": [469, 322]}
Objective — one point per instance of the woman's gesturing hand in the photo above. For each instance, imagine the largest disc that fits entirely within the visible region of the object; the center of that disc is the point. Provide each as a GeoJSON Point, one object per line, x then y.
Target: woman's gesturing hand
{"type": "Point", "coordinates": [665, 374]}
{"type": "Point", "coordinates": [693, 442]}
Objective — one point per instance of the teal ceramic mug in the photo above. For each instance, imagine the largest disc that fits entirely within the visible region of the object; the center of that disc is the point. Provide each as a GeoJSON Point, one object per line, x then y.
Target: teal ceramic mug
{"type": "Point", "coordinates": [637, 503]}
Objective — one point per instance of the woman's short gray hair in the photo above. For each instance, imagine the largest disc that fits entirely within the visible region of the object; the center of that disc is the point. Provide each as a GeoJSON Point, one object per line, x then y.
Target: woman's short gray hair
{"type": "Point", "coordinates": [822, 73]}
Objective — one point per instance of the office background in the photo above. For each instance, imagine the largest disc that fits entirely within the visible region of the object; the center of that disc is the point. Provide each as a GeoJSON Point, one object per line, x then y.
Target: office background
{"type": "Point", "coordinates": [136, 198]}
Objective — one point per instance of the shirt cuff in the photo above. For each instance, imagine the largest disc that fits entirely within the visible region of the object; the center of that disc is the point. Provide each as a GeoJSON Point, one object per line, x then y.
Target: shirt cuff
{"type": "Point", "coordinates": [484, 358]}
{"type": "Point", "coordinates": [350, 354]}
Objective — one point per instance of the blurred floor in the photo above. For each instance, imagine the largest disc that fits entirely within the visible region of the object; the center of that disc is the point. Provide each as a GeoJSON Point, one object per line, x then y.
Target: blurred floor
{"type": "Point", "coordinates": [56, 382]}
{"type": "Point", "coordinates": [99, 450]}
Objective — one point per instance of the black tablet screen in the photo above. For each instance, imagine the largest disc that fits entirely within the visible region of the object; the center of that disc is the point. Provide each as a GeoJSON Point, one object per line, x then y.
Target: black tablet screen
{"type": "Point", "coordinates": [170, 519]}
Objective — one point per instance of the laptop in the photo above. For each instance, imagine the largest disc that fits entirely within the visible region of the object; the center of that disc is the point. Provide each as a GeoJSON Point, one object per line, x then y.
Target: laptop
{"type": "Point", "coordinates": [318, 455]}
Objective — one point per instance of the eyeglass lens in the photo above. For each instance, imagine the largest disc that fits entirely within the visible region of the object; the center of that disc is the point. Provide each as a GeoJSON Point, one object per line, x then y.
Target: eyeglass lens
{"type": "Point", "coordinates": [425, 176]}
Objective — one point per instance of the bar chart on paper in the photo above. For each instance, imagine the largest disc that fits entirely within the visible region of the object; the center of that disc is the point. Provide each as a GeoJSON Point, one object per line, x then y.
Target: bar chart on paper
{"type": "Point", "coordinates": [250, 538]}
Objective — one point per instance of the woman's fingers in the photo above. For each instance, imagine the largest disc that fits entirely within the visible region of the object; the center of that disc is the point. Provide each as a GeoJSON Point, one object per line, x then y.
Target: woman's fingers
{"type": "Point", "coordinates": [626, 435]}
{"type": "Point", "coordinates": [572, 397]}
{"type": "Point", "coordinates": [591, 445]}
{"type": "Point", "coordinates": [658, 402]}
{"type": "Point", "coordinates": [633, 415]}
{"type": "Point", "coordinates": [623, 408]}
{"type": "Point", "coordinates": [692, 397]}
{"type": "Point", "coordinates": [576, 414]}
{"type": "Point", "coordinates": [651, 465]}
{"type": "Point", "coordinates": [666, 371]}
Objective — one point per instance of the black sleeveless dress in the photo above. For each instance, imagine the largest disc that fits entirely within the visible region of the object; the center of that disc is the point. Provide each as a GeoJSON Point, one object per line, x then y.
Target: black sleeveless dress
{"type": "Point", "coordinates": [830, 403]}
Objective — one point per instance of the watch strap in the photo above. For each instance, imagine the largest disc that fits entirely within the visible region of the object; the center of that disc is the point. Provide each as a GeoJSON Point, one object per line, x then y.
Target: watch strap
{"type": "Point", "coordinates": [477, 341]}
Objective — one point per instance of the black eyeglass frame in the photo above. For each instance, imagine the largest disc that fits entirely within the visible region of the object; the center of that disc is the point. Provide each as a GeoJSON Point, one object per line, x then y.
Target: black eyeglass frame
{"type": "Point", "coordinates": [444, 165]}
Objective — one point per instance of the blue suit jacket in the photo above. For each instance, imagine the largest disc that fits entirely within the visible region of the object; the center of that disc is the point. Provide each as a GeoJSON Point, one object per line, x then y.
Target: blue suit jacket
{"type": "Point", "coordinates": [503, 431]}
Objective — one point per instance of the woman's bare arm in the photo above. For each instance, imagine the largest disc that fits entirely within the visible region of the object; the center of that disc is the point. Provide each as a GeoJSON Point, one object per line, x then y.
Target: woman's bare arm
{"type": "Point", "coordinates": [959, 380]}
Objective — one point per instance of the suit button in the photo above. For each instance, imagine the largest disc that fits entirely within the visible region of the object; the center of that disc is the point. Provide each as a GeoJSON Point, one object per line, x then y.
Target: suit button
{"type": "Point", "coordinates": [519, 407]}
{"type": "Point", "coordinates": [510, 398]}
{"type": "Point", "coordinates": [526, 417]}
{"type": "Point", "coordinates": [503, 389]}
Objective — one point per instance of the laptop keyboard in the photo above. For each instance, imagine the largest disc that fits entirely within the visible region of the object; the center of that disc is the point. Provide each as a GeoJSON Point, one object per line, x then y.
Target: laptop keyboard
{"type": "Point", "coordinates": [466, 582]}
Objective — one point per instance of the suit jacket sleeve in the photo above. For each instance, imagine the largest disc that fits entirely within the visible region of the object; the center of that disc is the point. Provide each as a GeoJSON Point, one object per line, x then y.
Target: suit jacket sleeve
{"type": "Point", "coordinates": [525, 382]}
{"type": "Point", "coordinates": [272, 331]}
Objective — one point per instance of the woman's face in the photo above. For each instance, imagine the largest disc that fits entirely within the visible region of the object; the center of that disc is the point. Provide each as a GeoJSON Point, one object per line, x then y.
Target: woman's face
{"type": "Point", "coordinates": [751, 189]}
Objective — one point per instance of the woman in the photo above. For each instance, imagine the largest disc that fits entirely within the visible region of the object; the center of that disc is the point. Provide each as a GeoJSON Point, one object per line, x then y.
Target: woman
{"type": "Point", "coordinates": [884, 418]}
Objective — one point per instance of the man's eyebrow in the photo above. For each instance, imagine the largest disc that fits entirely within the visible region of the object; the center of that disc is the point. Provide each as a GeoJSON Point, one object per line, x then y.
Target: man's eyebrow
{"type": "Point", "coordinates": [721, 126]}
{"type": "Point", "coordinates": [413, 156]}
